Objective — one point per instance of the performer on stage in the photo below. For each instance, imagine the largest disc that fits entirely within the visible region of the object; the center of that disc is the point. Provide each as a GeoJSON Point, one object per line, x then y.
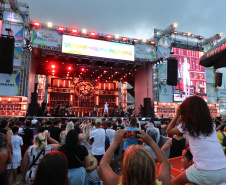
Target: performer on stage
{"type": "Point", "coordinates": [106, 107]}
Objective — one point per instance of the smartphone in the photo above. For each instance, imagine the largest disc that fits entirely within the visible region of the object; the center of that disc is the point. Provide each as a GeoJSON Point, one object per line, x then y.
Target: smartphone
{"type": "Point", "coordinates": [132, 134]}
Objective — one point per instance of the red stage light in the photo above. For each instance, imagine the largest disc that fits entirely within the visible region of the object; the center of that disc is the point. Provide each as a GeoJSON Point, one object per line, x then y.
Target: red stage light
{"type": "Point", "coordinates": [124, 39]}
{"type": "Point", "coordinates": [36, 24]}
{"type": "Point", "coordinates": [83, 69]}
{"type": "Point", "coordinates": [200, 37]}
{"type": "Point", "coordinates": [74, 31]}
{"type": "Point", "coordinates": [152, 42]}
{"type": "Point", "coordinates": [61, 28]}
{"type": "Point", "coordinates": [184, 34]}
{"type": "Point", "coordinates": [92, 34]}
{"type": "Point", "coordinates": [105, 71]}
{"type": "Point", "coordinates": [109, 36]}
{"type": "Point", "coordinates": [135, 40]}
{"type": "Point", "coordinates": [175, 32]}
{"type": "Point", "coordinates": [69, 68]}
{"type": "Point", "coordinates": [53, 71]}
{"type": "Point", "coordinates": [53, 66]}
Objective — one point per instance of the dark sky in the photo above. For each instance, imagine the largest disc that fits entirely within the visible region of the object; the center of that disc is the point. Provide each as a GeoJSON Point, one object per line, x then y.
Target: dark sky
{"type": "Point", "coordinates": [133, 18]}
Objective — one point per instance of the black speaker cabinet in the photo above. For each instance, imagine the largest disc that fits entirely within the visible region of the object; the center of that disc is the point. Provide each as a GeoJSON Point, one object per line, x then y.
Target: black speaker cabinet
{"type": "Point", "coordinates": [147, 107]}
{"type": "Point", "coordinates": [218, 79]}
{"type": "Point", "coordinates": [6, 54]}
{"type": "Point", "coordinates": [172, 72]}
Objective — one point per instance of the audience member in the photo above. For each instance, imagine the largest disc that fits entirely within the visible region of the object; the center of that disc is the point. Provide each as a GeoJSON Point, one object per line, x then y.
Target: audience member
{"type": "Point", "coordinates": [5, 156]}
{"type": "Point", "coordinates": [84, 138]}
{"type": "Point", "coordinates": [97, 140]}
{"type": "Point", "coordinates": [195, 121]}
{"type": "Point", "coordinates": [52, 170]}
{"type": "Point", "coordinates": [4, 129]}
{"type": "Point", "coordinates": [176, 145]}
{"type": "Point", "coordinates": [77, 157]}
{"type": "Point", "coordinates": [138, 166]}
{"type": "Point", "coordinates": [55, 131]}
{"type": "Point", "coordinates": [34, 154]}
{"type": "Point", "coordinates": [17, 142]}
{"type": "Point", "coordinates": [27, 136]}
{"type": "Point", "coordinates": [64, 133]}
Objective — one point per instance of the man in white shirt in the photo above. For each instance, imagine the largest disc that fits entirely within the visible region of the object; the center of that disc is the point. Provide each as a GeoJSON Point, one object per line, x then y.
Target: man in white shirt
{"type": "Point", "coordinates": [34, 120]}
{"type": "Point", "coordinates": [110, 133]}
{"type": "Point", "coordinates": [97, 140]}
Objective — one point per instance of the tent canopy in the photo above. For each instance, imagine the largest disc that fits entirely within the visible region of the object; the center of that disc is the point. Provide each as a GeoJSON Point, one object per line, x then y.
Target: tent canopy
{"type": "Point", "coordinates": [216, 56]}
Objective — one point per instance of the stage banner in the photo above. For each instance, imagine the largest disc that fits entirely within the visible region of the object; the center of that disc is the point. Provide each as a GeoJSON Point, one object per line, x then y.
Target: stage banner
{"type": "Point", "coordinates": [97, 48]}
{"type": "Point", "coordinates": [10, 83]}
{"type": "Point", "coordinates": [17, 32]}
{"type": "Point", "coordinates": [164, 42]}
{"type": "Point", "coordinates": [165, 92]}
{"type": "Point", "coordinates": [210, 75]}
{"type": "Point", "coordinates": [211, 93]}
{"type": "Point", "coordinates": [17, 56]}
{"type": "Point", "coordinates": [163, 53]}
{"type": "Point", "coordinates": [14, 17]}
{"type": "Point", "coordinates": [46, 37]}
{"type": "Point", "coordinates": [144, 51]}
{"type": "Point", "coordinates": [221, 94]}
{"type": "Point", "coordinates": [162, 70]}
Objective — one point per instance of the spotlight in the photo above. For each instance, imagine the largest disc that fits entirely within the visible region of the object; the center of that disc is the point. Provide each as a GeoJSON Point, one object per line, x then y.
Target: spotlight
{"type": "Point", "coordinates": [144, 40]}
{"type": "Point", "coordinates": [152, 42]}
{"type": "Point", "coordinates": [84, 31]}
{"type": "Point", "coordinates": [200, 37]}
{"type": "Point", "coordinates": [175, 32]}
{"type": "Point", "coordinates": [135, 40]}
{"type": "Point", "coordinates": [49, 24]}
{"type": "Point", "coordinates": [116, 36]}
{"type": "Point", "coordinates": [69, 68]}
{"type": "Point", "coordinates": [83, 69]}
{"type": "Point", "coordinates": [192, 35]}
{"type": "Point", "coordinates": [61, 28]}
{"type": "Point", "coordinates": [36, 24]}
{"type": "Point", "coordinates": [74, 31]}
{"type": "Point", "coordinates": [175, 25]}
{"type": "Point", "coordinates": [53, 71]}
{"type": "Point", "coordinates": [221, 34]}
{"type": "Point", "coordinates": [184, 34]}
{"type": "Point", "coordinates": [92, 34]}
{"type": "Point", "coordinates": [189, 34]}
{"type": "Point", "coordinates": [124, 39]}
{"type": "Point", "coordinates": [108, 36]}
{"type": "Point", "coordinates": [53, 66]}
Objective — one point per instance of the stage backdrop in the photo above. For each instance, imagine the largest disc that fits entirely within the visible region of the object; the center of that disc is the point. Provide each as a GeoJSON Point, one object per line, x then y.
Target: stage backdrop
{"type": "Point", "coordinates": [97, 48]}
{"type": "Point", "coordinates": [46, 37]}
{"type": "Point", "coordinates": [17, 32]}
{"type": "Point", "coordinates": [144, 51]}
{"type": "Point", "coordinates": [9, 83]}
{"type": "Point", "coordinates": [191, 75]}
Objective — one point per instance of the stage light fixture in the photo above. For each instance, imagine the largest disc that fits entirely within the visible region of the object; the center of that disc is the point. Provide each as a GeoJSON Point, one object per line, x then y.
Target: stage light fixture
{"type": "Point", "coordinates": [74, 31]}
{"type": "Point", "coordinates": [116, 36]}
{"type": "Point", "coordinates": [69, 68]}
{"type": "Point", "coordinates": [92, 34]}
{"type": "Point", "coordinates": [200, 37]}
{"type": "Point", "coordinates": [53, 71]}
{"type": "Point", "coordinates": [83, 69]}
{"type": "Point", "coordinates": [124, 39]}
{"type": "Point", "coordinates": [49, 24]}
{"type": "Point", "coordinates": [61, 28]}
{"type": "Point", "coordinates": [108, 36]}
{"type": "Point", "coordinates": [84, 31]}
{"type": "Point", "coordinates": [175, 32]}
{"type": "Point", "coordinates": [152, 42]}
{"type": "Point", "coordinates": [105, 71]}
{"type": "Point", "coordinates": [189, 34]}
{"type": "Point", "coordinates": [135, 40]}
{"type": "Point", "coordinates": [144, 40]}
{"type": "Point", "coordinates": [192, 35]}
{"type": "Point", "coordinates": [36, 24]}
{"type": "Point", "coordinates": [221, 34]}
{"type": "Point", "coordinates": [175, 25]}
{"type": "Point", "coordinates": [53, 66]}
{"type": "Point", "coordinates": [184, 34]}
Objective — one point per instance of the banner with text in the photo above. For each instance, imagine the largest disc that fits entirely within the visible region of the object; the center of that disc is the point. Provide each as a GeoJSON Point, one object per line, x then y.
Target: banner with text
{"type": "Point", "coordinates": [17, 56]}
{"type": "Point", "coordinates": [17, 32]}
{"type": "Point", "coordinates": [165, 92]}
{"type": "Point", "coordinates": [46, 37]}
{"type": "Point", "coordinates": [144, 51]}
{"type": "Point", "coordinates": [10, 83]}
{"type": "Point", "coordinates": [221, 94]}
{"type": "Point", "coordinates": [211, 93]}
{"type": "Point", "coordinates": [97, 48]}
{"type": "Point", "coordinates": [14, 17]}
{"type": "Point", "coordinates": [210, 75]}
{"type": "Point", "coordinates": [162, 70]}
{"type": "Point", "coordinates": [163, 53]}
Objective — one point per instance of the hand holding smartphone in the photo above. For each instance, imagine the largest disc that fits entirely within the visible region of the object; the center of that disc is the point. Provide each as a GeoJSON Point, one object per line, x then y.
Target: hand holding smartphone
{"type": "Point", "coordinates": [131, 134]}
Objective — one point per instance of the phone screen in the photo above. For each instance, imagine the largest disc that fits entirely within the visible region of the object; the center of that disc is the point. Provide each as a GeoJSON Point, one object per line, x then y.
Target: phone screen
{"type": "Point", "coordinates": [132, 134]}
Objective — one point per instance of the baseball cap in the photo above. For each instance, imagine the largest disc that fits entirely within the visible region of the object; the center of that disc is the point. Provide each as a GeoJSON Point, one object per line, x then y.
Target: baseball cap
{"type": "Point", "coordinates": [98, 121]}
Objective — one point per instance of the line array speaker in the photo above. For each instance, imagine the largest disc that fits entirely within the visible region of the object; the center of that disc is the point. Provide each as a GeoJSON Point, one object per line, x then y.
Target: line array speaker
{"type": "Point", "coordinates": [172, 72]}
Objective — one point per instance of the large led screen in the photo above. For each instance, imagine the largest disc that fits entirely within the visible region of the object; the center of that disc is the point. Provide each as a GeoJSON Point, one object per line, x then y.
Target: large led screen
{"type": "Point", "coordinates": [191, 75]}
{"type": "Point", "coordinates": [97, 48]}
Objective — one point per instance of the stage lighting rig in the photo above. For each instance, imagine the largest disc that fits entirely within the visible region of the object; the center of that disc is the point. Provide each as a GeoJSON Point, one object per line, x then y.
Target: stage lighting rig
{"type": "Point", "coordinates": [14, 5]}
{"type": "Point", "coordinates": [212, 39]}
{"type": "Point", "coordinates": [166, 32]}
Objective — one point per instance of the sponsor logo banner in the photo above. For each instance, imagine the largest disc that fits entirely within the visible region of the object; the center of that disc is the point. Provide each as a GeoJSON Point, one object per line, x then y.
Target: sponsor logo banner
{"type": "Point", "coordinates": [17, 56]}
{"type": "Point", "coordinates": [14, 17]}
{"type": "Point", "coordinates": [165, 92]}
{"type": "Point", "coordinates": [46, 37]}
{"type": "Point", "coordinates": [211, 93]}
{"type": "Point", "coordinates": [144, 51]}
{"type": "Point", "coordinates": [98, 48]}
{"type": "Point", "coordinates": [10, 83]}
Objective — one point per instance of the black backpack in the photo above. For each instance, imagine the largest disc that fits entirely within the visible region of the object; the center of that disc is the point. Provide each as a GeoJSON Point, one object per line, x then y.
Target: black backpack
{"type": "Point", "coordinates": [224, 140]}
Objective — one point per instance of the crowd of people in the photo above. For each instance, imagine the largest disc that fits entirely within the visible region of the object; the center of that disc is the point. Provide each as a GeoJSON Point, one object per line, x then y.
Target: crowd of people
{"type": "Point", "coordinates": [113, 152]}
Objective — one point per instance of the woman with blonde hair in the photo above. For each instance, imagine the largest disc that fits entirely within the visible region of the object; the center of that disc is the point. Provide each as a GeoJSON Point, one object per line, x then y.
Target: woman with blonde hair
{"type": "Point", "coordinates": [83, 138]}
{"type": "Point", "coordinates": [34, 154]}
{"type": "Point", "coordinates": [63, 134]}
{"type": "Point", "coordinates": [138, 166]}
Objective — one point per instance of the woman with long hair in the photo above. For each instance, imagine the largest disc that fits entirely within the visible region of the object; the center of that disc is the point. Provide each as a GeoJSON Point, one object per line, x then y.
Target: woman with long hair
{"type": "Point", "coordinates": [52, 170]}
{"type": "Point", "coordinates": [77, 157]}
{"type": "Point", "coordinates": [138, 166]}
{"type": "Point", "coordinates": [194, 119]}
{"type": "Point", "coordinates": [34, 154]}
{"type": "Point", "coordinates": [84, 138]}
{"type": "Point", "coordinates": [5, 156]}
{"type": "Point", "coordinates": [63, 134]}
